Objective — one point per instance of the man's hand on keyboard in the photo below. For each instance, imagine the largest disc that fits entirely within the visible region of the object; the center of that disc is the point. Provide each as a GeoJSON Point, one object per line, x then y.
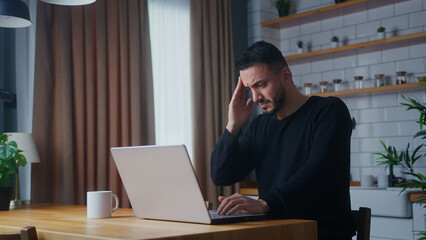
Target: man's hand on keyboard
{"type": "Point", "coordinates": [238, 202]}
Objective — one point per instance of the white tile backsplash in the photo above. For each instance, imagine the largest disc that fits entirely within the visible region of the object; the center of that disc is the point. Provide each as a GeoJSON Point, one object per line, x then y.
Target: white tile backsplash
{"type": "Point", "coordinates": [385, 129]}
{"type": "Point", "coordinates": [397, 113]}
{"type": "Point", "coordinates": [379, 116]}
{"type": "Point", "coordinates": [367, 29]}
{"type": "Point", "coordinates": [369, 59]}
{"type": "Point", "coordinates": [331, 23]}
{"type": "Point", "coordinates": [362, 130]}
{"type": "Point", "coordinates": [411, 66]}
{"type": "Point", "coordinates": [408, 7]}
{"type": "Point", "coordinates": [321, 66]}
{"type": "Point", "coordinates": [418, 50]}
{"type": "Point", "coordinates": [371, 115]}
{"type": "Point", "coordinates": [394, 54]}
{"type": "Point", "coordinates": [417, 19]}
{"type": "Point", "coordinates": [381, 12]}
{"type": "Point", "coordinates": [310, 28]}
{"type": "Point", "coordinates": [290, 32]}
{"type": "Point", "coordinates": [385, 68]}
{"type": "Point", "coordinates": [395, 24]}
{"type": "Point", "coordinates": [355, 18]}
{"type": "Point", "coordinates": [383, 100]}
{"type": "Point", "coordinates": [370, 145]}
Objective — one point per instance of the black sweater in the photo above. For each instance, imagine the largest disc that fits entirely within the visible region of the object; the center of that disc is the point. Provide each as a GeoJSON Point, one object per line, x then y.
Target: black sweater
{"type": "Point", "coordinates": [302, 163]}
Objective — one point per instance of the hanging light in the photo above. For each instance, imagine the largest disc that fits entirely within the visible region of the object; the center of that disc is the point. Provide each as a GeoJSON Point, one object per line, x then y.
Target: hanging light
{"type": "Point", "coordinates": [14, 14]}
{"type": "Point", "coordinates": [70, 2]}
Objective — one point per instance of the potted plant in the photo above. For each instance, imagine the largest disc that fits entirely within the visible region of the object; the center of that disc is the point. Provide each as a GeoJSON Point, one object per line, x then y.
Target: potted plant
{"type": "Point", "coordinates": [11, 159]}
{"type": "Point", "coordinates": [334, 41]}
{"type": "Point", "coordinates": [381, 32]}
{"type": "Point", "coordinates": [283, 7]}
{"type": "Point", "coordinates": [300, 46]}
{"type": "Point", "coordinates": [407, 159]}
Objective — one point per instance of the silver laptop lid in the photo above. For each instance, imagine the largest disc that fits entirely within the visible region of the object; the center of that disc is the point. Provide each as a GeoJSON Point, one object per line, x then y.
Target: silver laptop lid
{"type": "Point", "coordinates": [161, 183]}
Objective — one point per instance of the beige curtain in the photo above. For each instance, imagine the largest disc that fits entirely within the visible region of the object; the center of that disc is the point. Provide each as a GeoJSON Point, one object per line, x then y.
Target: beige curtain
{"type": "Point", "coordinates": [93, 91]}
{"type": "Point", "coordinates": [213, 81]}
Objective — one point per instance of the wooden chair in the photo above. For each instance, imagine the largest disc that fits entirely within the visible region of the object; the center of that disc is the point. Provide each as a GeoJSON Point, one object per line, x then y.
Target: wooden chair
{"type": "Point", "coordinates": [362, 219]}
{"type": "Point", "coordinates": [27, 233]}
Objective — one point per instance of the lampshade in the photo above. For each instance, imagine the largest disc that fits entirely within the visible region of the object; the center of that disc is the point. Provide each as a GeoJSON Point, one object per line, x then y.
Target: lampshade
{"type": "Point", "coordinates": [26, 143]}
{"type": "Point", "coordinates": [70, 2]}
{"type": "Point", "coordinates": [14, 14]}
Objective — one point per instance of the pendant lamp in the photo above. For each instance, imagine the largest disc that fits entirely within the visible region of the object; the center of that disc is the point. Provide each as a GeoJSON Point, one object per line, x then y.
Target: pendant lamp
{"type": "Point", "coordinates": [70, 2]}
{"type": "Point", "coordinates": [14, 14]}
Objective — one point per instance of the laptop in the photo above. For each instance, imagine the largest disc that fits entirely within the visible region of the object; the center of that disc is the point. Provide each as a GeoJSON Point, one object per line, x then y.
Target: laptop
{"type": "Point", "coordinates": [161, 184]}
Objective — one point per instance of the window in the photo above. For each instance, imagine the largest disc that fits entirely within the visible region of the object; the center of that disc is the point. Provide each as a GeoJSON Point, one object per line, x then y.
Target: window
{"type": "Point", "coordinates": [170, 50]}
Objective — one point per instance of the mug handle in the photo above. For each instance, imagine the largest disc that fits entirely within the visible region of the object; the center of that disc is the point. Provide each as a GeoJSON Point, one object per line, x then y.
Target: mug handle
{"type": "Point", "coordinates": [116, 202]}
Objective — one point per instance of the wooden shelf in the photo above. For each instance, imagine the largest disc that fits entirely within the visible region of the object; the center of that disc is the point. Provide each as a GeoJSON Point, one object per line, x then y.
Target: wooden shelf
{"type": "Point", "coordinates": [371, 90]}
{"type": "Point", "coordinates": [415, 197]}
{"type": "Point", "coordinates": [326, 12]}
{"type": "Point", "coordinates": [391, 42]}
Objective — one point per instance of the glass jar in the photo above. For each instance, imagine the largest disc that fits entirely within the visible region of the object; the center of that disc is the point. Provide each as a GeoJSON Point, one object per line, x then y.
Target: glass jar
{"type": "Point", "coordinates": [401, 78]}
{"type": "Point", "coordinates": [378, 80]}
{"type": "Point", "coordinates": [308, 88]}
{"type": "Point", "coordinates": [358, 82]}
{"type": "Point", "coordinates": [337, 85]}
{"type": "Point", "coordinates": [323, 86]}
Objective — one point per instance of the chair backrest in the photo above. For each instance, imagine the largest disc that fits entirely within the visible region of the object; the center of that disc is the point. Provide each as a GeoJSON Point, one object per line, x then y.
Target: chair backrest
{"type": "Point", "coordinates": [27, 233]}
{"type": "Point", "coordinates": [362, 219]}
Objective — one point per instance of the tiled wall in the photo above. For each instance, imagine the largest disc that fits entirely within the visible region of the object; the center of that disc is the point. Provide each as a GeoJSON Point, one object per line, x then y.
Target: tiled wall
{"type": "Point", "coordinates": [379, 116]}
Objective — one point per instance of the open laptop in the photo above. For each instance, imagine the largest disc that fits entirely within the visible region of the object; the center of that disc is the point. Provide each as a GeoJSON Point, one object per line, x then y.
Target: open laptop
{"type": "Point", "coordinates": [161, 184]}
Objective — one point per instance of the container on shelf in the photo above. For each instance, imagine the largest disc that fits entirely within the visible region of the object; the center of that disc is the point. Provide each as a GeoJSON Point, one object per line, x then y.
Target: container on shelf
{"type": "Point", "coordinates": [323, 86]}
{"type": "Point", "coordinates": [308, 88]}
{"type": "Point", "coordinates": [401, 78]}
{"type": "Point", "coordinates": [337, 85]}
{"type": "Point", "coordinates": [379, 80]}
{"type": "Point", "coordinates": [358, 82]}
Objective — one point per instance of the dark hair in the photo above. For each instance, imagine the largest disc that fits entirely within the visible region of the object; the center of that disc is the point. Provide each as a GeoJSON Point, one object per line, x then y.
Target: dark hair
{"type": "Point", "coordinates": [261, 52]}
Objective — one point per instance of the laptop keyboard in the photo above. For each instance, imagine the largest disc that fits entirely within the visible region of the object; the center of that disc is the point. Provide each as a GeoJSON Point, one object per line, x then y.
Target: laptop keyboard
{"type": "Point", "coordinates": [214, 215]}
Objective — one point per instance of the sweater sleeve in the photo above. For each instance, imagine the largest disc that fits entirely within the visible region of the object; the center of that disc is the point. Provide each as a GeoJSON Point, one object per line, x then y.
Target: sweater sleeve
{"type": "Point", "coordinates": [231, 159]}
{"type": "Point", "coordinates": [321, 183]}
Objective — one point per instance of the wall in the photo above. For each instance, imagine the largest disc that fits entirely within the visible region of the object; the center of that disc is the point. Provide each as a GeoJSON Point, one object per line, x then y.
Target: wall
{"type": "Point", "coordinates": [378, 116]}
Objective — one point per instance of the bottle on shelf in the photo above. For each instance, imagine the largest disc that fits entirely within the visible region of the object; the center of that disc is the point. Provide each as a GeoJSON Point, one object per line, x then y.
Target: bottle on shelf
{"type": "Point", "coordinates": [378, 80]}
{"type": "Point", "coordinates": [401, 78]}
{"type": "Point", "coordinates": [337, 85]}
{"type": "Point", "coordinates": [358, 82]}
{"type": "Point", "coordinates": [323, 86]}
{"type": "Point", "coordinates": [308, 88]}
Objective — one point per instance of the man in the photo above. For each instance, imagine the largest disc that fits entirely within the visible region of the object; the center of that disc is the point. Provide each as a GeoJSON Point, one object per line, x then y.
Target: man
{"type": "Point", "coordinates": [299, 147]}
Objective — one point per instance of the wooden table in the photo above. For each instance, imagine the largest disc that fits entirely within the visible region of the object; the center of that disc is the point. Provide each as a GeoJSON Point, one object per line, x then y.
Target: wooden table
{"type": "Point", "coordinates": [69, 222]}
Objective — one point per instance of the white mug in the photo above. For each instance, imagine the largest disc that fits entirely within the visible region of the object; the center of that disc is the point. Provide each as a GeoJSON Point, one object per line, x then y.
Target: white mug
{"type": "Point", "coordinates": [99, 204]}
{"type": "Point", "coordinates": [383, 181]}
{"type": "Point", "coordinates": [367, 180]}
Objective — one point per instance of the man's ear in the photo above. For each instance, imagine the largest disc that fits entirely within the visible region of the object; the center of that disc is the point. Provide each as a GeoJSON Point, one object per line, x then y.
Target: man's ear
{"type": "Point", "coordinates": [286, 74]}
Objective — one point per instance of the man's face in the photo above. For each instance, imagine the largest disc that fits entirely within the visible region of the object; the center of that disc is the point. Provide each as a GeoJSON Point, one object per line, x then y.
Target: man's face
{"type": "Point", "coordinates": [266, 87]}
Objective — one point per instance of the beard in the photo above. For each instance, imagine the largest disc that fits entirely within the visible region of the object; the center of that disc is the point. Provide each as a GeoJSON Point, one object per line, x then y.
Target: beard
{"type": "Point", "coordinates": [277, 102]}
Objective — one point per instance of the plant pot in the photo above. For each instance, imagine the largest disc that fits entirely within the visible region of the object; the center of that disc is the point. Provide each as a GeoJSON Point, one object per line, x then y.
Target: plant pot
{"type": "Point", "coordinates": [283, 12]}
{"type": "Point", "coordinates": [299, 50]}
{"type": "Point", "coordinates": [334, 44]}
{"type": "Point", "coordinates": [381, 35]}
{"type": "Point", "coordinates": [5, 196]}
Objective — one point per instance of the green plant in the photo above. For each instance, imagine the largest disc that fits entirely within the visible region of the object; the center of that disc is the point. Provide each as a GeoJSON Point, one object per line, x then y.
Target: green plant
{"type": "Point", "coordinates": [334, 39]}
{"type": "Point", "coordinates": [300, 44]}
{"type": "Point", "coordinates": [10, 159]}
{"type": "Point", "coordinates": [282, 4]}
{"type": "Point", "coordinates": [404, 159]}
{"type": "Point", "coordinates": [381, 29]}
